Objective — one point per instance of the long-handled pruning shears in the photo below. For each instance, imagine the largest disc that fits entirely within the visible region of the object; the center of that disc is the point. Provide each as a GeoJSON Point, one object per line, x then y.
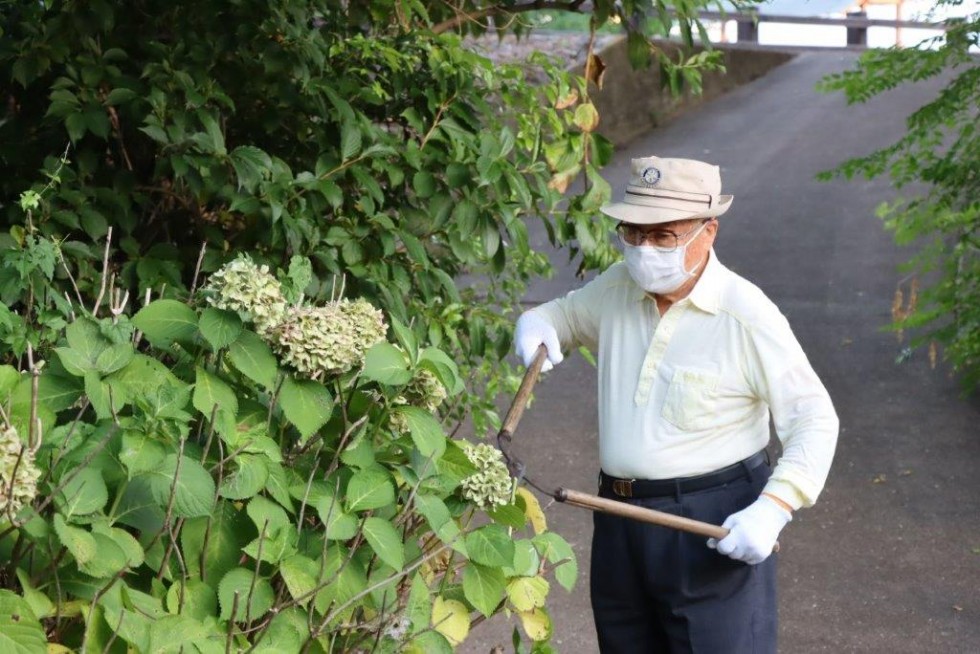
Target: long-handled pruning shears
{"type": "Point", "coordinates": [584, 500]}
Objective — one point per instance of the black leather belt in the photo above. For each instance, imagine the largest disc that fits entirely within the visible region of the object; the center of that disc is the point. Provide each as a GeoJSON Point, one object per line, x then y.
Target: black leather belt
{"type": "Point", "coordinates": [663, 487]}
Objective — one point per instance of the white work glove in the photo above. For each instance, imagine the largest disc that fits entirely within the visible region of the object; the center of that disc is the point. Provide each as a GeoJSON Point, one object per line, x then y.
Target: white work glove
{"type": "Point", "coordinates": [531, 331]}
{"type": "Point", "coordinates": [753, 531]}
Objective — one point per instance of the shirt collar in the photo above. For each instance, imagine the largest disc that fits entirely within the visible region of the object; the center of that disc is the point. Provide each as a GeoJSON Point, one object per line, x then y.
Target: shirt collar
{"type": "Point", "coordinates": [706, 294]}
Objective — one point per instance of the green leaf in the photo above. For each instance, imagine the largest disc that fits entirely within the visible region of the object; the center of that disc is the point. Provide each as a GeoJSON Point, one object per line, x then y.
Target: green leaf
{"type": "Point", "coordinates": [386, 364]}
{"type": "Point", "coordinates": [84, 493]}
{"type": "Point", "coordinates": [219, 328]}
{"type": "Point", "coordinates": [140, 453]}
{"type": "Point", "coordinates": [239, 581]}
{"type": "Point", "coordinates": [306, 403]}
{"type": "Point", "coordinates": [74, 361]}
{"type": "Point", "coordinates": [429, 642]}
{"type": "Point", "coordinates": [120, 96]}
{"type": "Point", "coordinates": [444, 368]}
{"type": "Point", "coordinates": [424, 184]}
{"type": "Point", "coordinates": [490, 545]}
{"type": "Point", "coordinates": [254, 358]}
{"type": "Point", "coordinates": [405, 337]}
{"type": "Point", "coordinates": [40, 605]}
{"type": "Point", "coordinates": [176, 634]}
{"type": "Point", "coordinates": [166, 321]}
{"type": "Point", "coordinates": [557, 551]}
{"type": "Point", "coordinates": [425, 429]}
{"type": "Point", "coordinates": [441, 521]}
{"type": "Point", "coordinates": [193, 491]}
{"type": "Point", "coordinates": [131, 548]}
{"type": "Point", "coordinates": [483, 587]}
{"type": "Point", "coordinates": [143, 376]}
{"type": "Point", "coordinates": [300, 574]}
{"type": "Point", "coordinates": [225, 534]}
{"type": "Point", "coordinates": [369, 489]}
{"type": "Point", "coordinates": [250, 164]}
{"type": "Point", "coordinates": [350, 139]}
{"type": "Point", "coordinates": [9, 376]}
{"type": "Point", "coordinates": [115, 357]}
{"type": "Point", "coordinates": [199, 599]}
{"type": "Point", "coordinates": [339, 525]}
{"type": "Point", "coordinates": [386, 541]}
{"type": "Point", "coordinates": [79, 543]}
{"type": "Point", "coordinates": [211, 391]}
{"type": "Point", "coordinates": [419, 607]}
{"type": "Point", "coordinates": [110, 560]}
{"type": "Point", "coordinates": [508, 515]}
{"type": "Point", "coordinates": [20, 631]}
{"type": "Point", "coordinates": [268, 514]}
{"type": "Point", "coordinates": [248, 478]}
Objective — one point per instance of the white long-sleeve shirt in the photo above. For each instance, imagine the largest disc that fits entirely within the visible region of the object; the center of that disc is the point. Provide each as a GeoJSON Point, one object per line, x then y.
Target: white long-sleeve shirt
{"type": "Point", "coordinates": [691, 391]}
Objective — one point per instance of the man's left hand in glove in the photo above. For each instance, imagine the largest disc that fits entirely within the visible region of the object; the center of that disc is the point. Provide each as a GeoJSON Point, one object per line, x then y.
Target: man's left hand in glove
{"type": "Point", "coordinates": [753, 531]}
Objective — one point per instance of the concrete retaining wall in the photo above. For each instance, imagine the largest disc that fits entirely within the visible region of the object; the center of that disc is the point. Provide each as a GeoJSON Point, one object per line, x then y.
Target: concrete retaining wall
{"type": "Point", "coordinates": [632, 102]}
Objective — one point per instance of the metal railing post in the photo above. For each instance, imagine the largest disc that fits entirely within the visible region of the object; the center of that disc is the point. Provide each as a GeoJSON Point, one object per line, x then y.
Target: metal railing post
{"type": "Point", "coordinates": [748, 28]}
{"type": "Point", "coordinates": [857, 35]}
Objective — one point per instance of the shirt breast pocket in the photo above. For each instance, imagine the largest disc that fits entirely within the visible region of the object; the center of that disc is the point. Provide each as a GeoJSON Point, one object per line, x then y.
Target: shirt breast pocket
{"type": "Point", "coordinates": [690, 403]}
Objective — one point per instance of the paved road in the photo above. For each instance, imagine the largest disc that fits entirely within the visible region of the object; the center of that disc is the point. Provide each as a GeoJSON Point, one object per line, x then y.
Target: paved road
{"type": "Point", "coordinates": [889, 559]}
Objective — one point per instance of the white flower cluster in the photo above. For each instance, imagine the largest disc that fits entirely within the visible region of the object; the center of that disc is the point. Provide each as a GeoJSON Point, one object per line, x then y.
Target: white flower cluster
{"type": "Point", "coordinates": [329, 339]}
{"type": "Point", "coordinates": [491, 485]}
{"type": "Point", "coordinates": [243, 286]}
{"type": "Point", "coordinates": [425, 390]}
{"type": "Point", "coordinates": [18, 474]}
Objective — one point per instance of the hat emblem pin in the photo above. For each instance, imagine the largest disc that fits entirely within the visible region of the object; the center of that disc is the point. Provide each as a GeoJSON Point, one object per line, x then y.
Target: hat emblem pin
{"type": "Point", "coordinates": [650, 175]}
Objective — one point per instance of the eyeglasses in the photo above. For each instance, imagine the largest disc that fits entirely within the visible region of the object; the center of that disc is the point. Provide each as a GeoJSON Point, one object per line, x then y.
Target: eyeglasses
{"type": "Point", "coordinates": [662, 239]}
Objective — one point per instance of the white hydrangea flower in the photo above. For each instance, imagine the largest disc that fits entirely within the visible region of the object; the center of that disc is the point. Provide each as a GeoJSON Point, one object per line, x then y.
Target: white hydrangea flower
{"type": "Point", "coordinates": [424, 391]}
{"type": "Point", "coordinates": [18, 474]}
{"type": "Point", "coordinates": [330, 339]}
{"type": "Point", "coordinates": [491, 485]}
{"type": "Point", "coordinates": [243, 286]}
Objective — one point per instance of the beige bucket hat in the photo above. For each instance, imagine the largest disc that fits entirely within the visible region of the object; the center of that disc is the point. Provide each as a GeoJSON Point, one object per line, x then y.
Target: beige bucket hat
{"type": "Point", "coordinates": [663, 190]}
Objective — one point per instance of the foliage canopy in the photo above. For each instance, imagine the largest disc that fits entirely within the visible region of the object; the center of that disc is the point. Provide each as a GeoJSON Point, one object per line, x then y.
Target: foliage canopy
{"type": "Point", "coordinates": [941, 149]}
{"type": "Point", "coordinates": [215, 452]}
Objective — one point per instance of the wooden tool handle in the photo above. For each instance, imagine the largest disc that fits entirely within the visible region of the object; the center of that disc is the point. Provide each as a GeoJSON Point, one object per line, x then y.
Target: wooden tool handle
{"type": "Point", "coordinates": [641, 514]}
{"type": "Point", "coordinates": [523, 393]}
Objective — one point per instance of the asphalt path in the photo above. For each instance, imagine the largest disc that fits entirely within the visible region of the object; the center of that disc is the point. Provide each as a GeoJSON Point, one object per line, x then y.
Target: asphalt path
{"type": "Point", "coordinates": [889, 559]}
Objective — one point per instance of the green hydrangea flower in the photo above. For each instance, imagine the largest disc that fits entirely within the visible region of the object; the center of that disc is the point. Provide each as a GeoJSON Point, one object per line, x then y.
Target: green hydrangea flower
{"type": "Point", "coordinates": [425, 390]}
{"type": "Point", "coordinates": [330, 339]}
{"type": "Point", "coordinates": [18, 479]}
{"type": "Point", "coordinates": [491, 485]}
{"type": "Point", "coordinates": [243, 286]}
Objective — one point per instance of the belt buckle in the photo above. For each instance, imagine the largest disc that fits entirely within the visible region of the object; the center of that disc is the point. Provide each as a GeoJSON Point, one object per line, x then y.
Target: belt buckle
{"type": "Point", "coordinates": [623, 487]}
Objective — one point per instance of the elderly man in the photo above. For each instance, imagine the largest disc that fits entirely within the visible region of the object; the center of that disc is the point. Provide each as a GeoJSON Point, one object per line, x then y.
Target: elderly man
{"type": "Point", "coordinates": [692, 360]}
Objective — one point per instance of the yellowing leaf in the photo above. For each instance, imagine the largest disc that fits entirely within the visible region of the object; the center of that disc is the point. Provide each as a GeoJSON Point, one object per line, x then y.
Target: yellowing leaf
{"type": "Point", "coordinates": [567, 100]}
{"type": "Point", "coordinates": [586, 117]}
{"type": "Point", "coordinates": [536, 623]}
{"type": "Point", "coordinates": [532, 508]}
{"type": "Point", "coordinates": [451, 619]}
{"type": "Point", "coordinates": [527, 593]}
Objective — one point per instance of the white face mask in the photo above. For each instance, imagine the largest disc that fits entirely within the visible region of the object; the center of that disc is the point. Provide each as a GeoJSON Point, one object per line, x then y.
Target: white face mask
{"type": "Point", "coordinates": [656, 270]}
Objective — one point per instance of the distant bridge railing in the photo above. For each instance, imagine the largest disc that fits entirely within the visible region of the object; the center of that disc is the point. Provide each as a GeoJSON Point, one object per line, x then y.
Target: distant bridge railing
{"type": "Point", "coordinates": [857, 24]}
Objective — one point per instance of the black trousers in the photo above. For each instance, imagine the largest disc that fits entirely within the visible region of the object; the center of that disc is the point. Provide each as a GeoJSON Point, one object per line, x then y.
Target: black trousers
{"type": "Point", "coordinates": [657, 590]}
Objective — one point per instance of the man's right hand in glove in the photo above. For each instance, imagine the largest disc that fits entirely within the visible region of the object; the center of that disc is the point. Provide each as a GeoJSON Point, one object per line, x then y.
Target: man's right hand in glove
{"type": "Point", "coordinates": [531, 331]}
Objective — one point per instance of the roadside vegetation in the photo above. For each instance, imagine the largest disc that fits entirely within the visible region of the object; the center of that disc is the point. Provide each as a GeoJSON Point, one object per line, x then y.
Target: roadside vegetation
{"type": "Point", "coordinates": [938, 299]}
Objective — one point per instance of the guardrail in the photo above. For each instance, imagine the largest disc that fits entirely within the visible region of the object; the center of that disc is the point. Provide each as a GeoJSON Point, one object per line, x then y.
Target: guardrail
{"type": "Point", "coordinates": [857, 24]}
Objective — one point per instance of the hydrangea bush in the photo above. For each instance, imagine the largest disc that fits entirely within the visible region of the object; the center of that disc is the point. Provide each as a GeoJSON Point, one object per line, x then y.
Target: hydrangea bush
{"type": "Point", "coordinates": [232, 471]}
